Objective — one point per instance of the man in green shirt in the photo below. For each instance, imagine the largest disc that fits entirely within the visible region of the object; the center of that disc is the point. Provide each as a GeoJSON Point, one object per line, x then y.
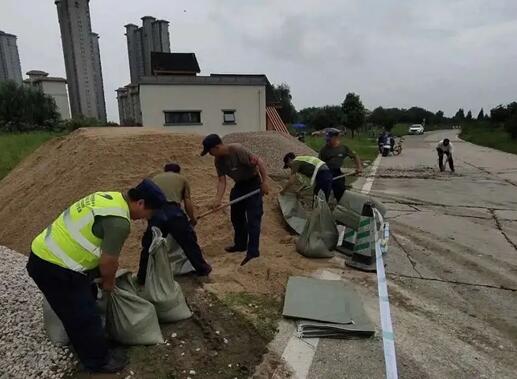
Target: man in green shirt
{"type": "Point", "coordinates": [334, 154]}
{"type": "Point", "coordinates": [83, 243]}
{"type": "Point", "coordinates": [171, 219]}
{"type": "Point", "coordinates": [249, 173]}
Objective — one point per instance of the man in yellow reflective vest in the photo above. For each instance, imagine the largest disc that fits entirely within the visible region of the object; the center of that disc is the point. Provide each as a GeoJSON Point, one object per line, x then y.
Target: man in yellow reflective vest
{"type": "Point", "coordinates": [310, 171]}
{"type": "Point", "coordinates": [84, 242]}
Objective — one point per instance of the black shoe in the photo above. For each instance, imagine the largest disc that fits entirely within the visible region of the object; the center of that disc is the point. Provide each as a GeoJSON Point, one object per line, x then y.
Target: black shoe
{"type": "Point", "coordinates": [116, 363]}
{"type": "Point", "coordinates": [248, 258]}
{"type": "Point", "coordinates": [234, 249]}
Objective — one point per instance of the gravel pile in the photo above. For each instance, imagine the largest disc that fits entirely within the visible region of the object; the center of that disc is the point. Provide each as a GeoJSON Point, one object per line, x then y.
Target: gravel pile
{"type": "Point", "coordinates": [25, 351]}
{"type": "Point", "coordinates": [271, 146]}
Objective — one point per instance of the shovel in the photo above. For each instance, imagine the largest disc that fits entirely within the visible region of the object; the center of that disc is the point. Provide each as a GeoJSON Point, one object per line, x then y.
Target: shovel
{"type": "Point", "coordinates": [234, 201]}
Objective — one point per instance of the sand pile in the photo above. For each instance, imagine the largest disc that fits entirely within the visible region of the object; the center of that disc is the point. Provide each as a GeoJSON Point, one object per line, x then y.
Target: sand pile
{"type": "Point", "coordinates": [88, 160]}
{"type": "Point", "coordinates": [271, 147]}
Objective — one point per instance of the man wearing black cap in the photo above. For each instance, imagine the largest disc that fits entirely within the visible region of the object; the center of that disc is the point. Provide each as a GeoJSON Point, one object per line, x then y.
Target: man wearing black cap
{"type": "Point", "coordinates": [82, 243]}
{"type": "Point", "coordinates": [249, 173]}
{"type": "Point", "coordinates": [310, 171]}
{"type": "Point", "coordinates": [171, 219]}
{"type": "Point", "coordinates": [334, 154]}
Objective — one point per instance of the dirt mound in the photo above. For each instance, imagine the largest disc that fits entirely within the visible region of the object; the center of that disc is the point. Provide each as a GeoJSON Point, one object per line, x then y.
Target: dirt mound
{"type": "Point", "coordinates": [88, 160]}
{"type": "Point", "coordinates": [271, 147]}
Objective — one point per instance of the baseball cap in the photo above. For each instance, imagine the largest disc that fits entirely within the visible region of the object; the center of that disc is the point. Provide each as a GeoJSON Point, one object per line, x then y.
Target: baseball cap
{"type": "Point", "coordinates": [288, 157]}
{"type": "Point", "coordinates": [172, 167]}
{"type": "Point", "coordinates": [151, 193]}
{"type": "Point", "coordinates": [210, 141]}
{"type": "Point", "coordinates": [332, 132]}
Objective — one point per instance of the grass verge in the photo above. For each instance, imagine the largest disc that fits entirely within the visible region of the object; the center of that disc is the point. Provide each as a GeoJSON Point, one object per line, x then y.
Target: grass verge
{"type": "Point", "coordinates": [262, 311]}
{"type": "Point", "coordinates": [16, 146]}
{"type": "Point", "coordinates": [489, 135]}
{"type": "Point", "coordinates": [363, 145]}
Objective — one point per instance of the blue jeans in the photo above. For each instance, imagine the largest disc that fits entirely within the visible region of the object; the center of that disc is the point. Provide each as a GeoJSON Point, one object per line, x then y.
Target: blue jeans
{"type": "Point", "coordinates": [70, 295]}
{"type": "Point", "coordinates": [246, 216]}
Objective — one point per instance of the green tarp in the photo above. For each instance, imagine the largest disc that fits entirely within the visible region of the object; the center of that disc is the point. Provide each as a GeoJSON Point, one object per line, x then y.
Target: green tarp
{"type": "Point", "coordinates": [326, 308]}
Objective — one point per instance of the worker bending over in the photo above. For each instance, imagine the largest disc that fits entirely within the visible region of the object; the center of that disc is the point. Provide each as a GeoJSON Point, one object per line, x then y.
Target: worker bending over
{"type": "Point", "coordinates": [82, 243]}
{"type": "Point", "coordinates": [334, 154]}
{"type": "Point", "coordinates": [249, 173]}
{"type": "Point", "coordinates": [310, 171]}
{"type": "Point", "coordinates": [171, 219]}
{"type": "Point", "coordinates": [444, 147]}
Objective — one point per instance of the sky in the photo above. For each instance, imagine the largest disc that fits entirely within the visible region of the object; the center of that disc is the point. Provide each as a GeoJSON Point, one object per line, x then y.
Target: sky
{"type": "Point", "coordinates": [437, 54]}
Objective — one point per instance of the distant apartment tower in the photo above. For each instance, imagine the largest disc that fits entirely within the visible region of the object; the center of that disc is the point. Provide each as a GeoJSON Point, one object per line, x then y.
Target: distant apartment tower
{"type": "Point", "coordinates": [51, 86]}
{"type": "Point", "coordinates": [10, 68]}
{"type": "Point", "coordinates": [82, 59]}
{"type": "Point", "coordinates": [152, 36]}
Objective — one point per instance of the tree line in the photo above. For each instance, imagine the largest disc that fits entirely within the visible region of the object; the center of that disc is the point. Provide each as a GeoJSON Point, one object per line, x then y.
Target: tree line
{"type": "Point", "coordinates": [24, 108]}
{"type": "Point", "coordinates": [351, 114]}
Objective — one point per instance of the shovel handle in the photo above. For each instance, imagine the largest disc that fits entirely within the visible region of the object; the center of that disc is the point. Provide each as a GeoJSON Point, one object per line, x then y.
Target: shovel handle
{"type": "Point", "coordinates": [234, 201]}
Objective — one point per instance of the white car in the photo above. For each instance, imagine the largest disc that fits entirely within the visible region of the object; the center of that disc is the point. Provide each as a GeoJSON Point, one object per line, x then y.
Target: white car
{"type": "Point", "coordinates": [416, 129]}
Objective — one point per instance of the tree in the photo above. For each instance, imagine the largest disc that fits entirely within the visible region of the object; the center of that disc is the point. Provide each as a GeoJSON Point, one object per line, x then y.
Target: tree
{"type": "Point", "coordinates": [499, 114]}
{"type": "Point", "coordinates": [481, 115]}
{"type": "Point", "coordinates": [24, 108]}
{"type": "Point", "coordinates": [460, 115]}
{"type": "Point", "coordinates": [287, 111]}
{"type": "Point", "coordinates": [469, 116]}
{"type": "Point", "coordinates": [382, 117]}
{"type": "Point", "coordinates": [354, 112]}
{"type": "Point", "coordinates": [439, 117]}
{"type": "Point", "coordinates": [511, 126]}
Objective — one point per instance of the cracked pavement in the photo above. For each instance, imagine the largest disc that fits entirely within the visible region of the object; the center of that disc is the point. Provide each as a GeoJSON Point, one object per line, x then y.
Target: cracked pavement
{"type": "Point", "coordinates": [452, 268]}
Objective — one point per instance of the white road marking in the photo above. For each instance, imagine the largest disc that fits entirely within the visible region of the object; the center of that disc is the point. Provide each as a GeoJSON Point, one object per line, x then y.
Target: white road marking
{"type": "Point", "coordinates": [299, 353]}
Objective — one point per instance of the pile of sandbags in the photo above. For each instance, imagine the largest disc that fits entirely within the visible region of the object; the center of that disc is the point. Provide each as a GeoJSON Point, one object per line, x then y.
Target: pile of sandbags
{"type": "Point", "coordinates": [132, 314]}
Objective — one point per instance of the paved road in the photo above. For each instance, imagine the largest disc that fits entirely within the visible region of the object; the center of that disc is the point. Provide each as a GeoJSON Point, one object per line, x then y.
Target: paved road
{"type": "Point", "coordinates": [452, 269]}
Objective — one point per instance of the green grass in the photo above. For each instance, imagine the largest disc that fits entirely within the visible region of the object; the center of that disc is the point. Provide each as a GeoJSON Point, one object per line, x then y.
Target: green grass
{"type": "Point", "coordinates": [16, 146]}
{"type": "Point", "coordinates": [262, 311]}
{"type": "Point", "coordinates": [486, 134]}
{"type": "Point", "coordinates": [363, 145]}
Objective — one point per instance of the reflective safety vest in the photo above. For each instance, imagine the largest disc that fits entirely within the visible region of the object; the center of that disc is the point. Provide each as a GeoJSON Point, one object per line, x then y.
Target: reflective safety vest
{"type": "Point", "coordinates": [69, 241]}
{"type": "Point", "coordinates": [316, 162]}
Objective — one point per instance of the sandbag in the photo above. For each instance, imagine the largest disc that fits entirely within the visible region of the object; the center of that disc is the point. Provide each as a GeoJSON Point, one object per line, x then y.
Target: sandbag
{"type": "Point", "coordinates": [320, 235]}
{"type": "Point", "coordinates": [180, 264]}
{"type": "Point", "coordinates": [293, 212]}
{"type": "Point", "coordinates": [349, 209]}
{"type": "Point", "coordinates": [54, 328]}
{"type": "Point", "coordinates": [130, 319]}
{"type": "Point", "coordinates": [160, 287]}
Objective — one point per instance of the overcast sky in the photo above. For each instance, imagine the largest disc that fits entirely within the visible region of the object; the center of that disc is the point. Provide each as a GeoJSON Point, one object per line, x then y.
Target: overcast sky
{"type": "Point", "coordinates": [438, 54]}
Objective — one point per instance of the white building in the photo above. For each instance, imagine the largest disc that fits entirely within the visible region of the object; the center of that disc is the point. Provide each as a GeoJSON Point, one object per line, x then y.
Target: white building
{"type": "Point", "coordinates": [54, 87]}
{"type": "Point", "coordinates": [176, 98]}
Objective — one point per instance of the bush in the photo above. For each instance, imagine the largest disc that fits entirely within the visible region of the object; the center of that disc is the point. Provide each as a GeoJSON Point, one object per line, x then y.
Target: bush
{"type": "Point", "coordinates": [511, 126]}
{"type": "Point", "coordinates": [83, 122]}
{"type": "Point", "coordinates": [24, 108]}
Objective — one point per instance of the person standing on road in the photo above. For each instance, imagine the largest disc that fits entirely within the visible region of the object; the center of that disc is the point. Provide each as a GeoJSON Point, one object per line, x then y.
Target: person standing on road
{"type": "Point", "coordinates": [82, 243]}
{"type": "Point", "coordinates": [249, 173]}
{"type": "Point", "coordinates": [310, 171]}
{"type": "Point", "coordinates": [334, 154]}
{"type": "Point", "coordinates": [444, 147]}
{"type": "Point", "coordinates": [171, 219]}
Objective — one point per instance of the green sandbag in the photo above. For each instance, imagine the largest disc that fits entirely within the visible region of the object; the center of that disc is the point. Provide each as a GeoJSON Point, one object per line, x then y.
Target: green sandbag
{"type": "Point", "coordinates": [180, 264]}
{"type": "Point", "coordinates": [160, 287]}
{"type": "Point", "coordinates": [348, 211]}
{"type": "Point", "coordinates": [320, 235]}
{"type": "Point", "coordinates": [54, 328]}
{"type": "Point", "coordinates": [293, 212]}
{"type": "Point", "coordinates": [130, 319]}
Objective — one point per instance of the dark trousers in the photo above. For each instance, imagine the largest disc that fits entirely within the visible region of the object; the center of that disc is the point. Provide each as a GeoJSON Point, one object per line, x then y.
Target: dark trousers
{"type": "Point", "coordinates": [70, 295]}
{"type": "Point", "coordinates": [441, 153]}
{"type": "Point", "coordinates": [323, 182]}
{"type": "Point", "coordinates": [339, 185]}
{"type": "Point", "coordinates": [246, 216]}
{"type": "Point", "coordinates": [172, 219]}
